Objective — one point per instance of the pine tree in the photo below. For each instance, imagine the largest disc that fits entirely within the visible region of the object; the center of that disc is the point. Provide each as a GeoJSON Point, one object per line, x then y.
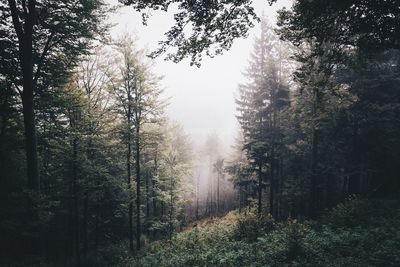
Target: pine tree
{"type": "Point", "coordinates": [259, 103]}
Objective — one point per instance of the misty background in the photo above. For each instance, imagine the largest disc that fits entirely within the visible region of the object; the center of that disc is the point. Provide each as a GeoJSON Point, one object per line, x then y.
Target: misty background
{"type": "Point", "coordinates": [202, 99]}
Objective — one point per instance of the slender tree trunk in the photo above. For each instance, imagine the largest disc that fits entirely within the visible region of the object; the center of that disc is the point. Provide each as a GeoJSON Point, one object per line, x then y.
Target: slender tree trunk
{"type": "Point", "coordinates": [272, 187]}
{"type": "Point", "coordinates": [314, 205]}
{"type": "Point", "coordinates": [314, 179]}
{"type": "Point", "coordinates": [70, 233]}
{"type": "Point", "coordinates": [211, 189]}
{"type": "Point", "coordinates": [240, 198]}
{"type": "Point", "coordinates": [218, 194]}
{"type": "Point", "coordinates": [138, 179]}
{"type": "Point", "coordinates": [153, 182]}
{"type": "Point", "coordinates": [85, 222]}
{"type": "Point", "coordinates": [147, 195]}
{"type": "Point", "coordinates": [197, 196]}
{"type": "Point", "coordinates": [245, 195]}
{"type": "Point", "coordinates": [76, 203]}
{"type": "Point", "coordinates": [171, 224]}
{"type": "Point", "coordinates": [96, 228]}
{"type": "Point", "coordinates": [354, 178]}
{"type": "Point", "coordinates": [128, 166]}
{"type": "Point", "coordinates": [259, 189]}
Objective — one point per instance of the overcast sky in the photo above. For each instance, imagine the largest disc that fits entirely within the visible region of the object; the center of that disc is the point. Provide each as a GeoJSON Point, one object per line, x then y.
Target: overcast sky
{"type": "Point", "coordinates": [202, 99]}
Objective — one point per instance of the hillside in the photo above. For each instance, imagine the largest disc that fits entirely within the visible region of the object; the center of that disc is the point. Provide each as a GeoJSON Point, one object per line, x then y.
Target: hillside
{"type": "Point", "coordinates": [358, 233]}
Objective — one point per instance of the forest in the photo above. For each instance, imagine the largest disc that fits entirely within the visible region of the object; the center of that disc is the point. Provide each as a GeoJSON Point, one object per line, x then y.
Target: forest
{"type": "Point", "coordinates": [94, 170]}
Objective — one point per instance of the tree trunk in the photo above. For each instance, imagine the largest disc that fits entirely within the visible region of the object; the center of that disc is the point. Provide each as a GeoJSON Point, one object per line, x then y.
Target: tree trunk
{"type": "Point", "coordinates": [314, 179]}
{"type": "Point", "coordinates": [354, 177]}
{"type": "Point", "coordinates": [138, 227]}
{"type": "Point", "coordinates": [128, 166]}
{"type": "Point", "coordinates": [218, 194]}
{"type": "Point", "coordinates": [171, 224]}
{"type": "Point", "coordinates": [272, 186]}
{"type": "Point", "coordinates": [197, 197]}
{"type": "Point", "coordinates": [153, 182]}
{"type": "Point", "coordinates": [25, 46]}
{"type": "Point", "coordinates": [76, 203]}
{"type": "Point", "coordinates": [85, 222]}
{"type": "Point", "coordinates": [314, 205]}
{"type": "Point", "coordinates": [30, 138]}
{"type": "Point", "coordinates": [96, 228]}
{"type": "Point", "coordinates": [259, 190]}
{"type": "Point", "coordinates": [147, 195]}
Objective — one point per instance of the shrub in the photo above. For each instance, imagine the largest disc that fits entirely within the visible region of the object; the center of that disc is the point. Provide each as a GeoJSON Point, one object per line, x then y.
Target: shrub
{"type": "Point", "coordinates": [354, 211]}
{"type": "Point", "coordinates": [250, 226]}
{"type": "Point", "coordinates": [295, 233]}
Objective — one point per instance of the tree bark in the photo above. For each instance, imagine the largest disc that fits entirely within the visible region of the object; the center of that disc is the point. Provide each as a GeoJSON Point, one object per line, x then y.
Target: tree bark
{"type": "Point", "coordinates": [314, 179]}
{"type": "Point", "coordinates": [128, 167]}
{"type": "Point", "coordinates": [138, 226]}
{"type": "Point", "coordinates": [171, 224]}
{"type": "Point", "coordinates": [259, 189]}
{"type": "Point", "coordinates": [147, 195]}
{"type": "Point", "coordinates": [153, 182]}
{"type": "Point", "coordinates": [85, 222]}
{"type": "Point", "coordinates": [25, 47]}
{"type": "Point", "coordinates": [76, 203]}
{"type": "Point", "coordinates": [218, 194]}
{"type": "Point", "coordinates": [197, 197]}
{"type": "Point", "coordinates": [30, 139]}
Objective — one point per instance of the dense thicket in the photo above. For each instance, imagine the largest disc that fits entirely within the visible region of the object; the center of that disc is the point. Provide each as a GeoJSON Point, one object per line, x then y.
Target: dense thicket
{"type": "Point", "coordinates": [338, 135]}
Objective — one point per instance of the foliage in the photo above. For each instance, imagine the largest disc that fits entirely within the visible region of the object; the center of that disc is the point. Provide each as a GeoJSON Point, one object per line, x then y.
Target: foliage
{"type": "Point", "coordinates": [201, 27]}
{"type": "Point", "coordinates": [290, 243]}
{"type": "Point", "coordinates": [250, 225]}
{"type": "Point", "coordinates": [354, 211]}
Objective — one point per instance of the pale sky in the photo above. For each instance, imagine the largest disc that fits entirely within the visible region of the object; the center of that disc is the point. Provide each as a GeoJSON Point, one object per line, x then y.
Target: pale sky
{"type": "Point", "coordinates": [202, 99]}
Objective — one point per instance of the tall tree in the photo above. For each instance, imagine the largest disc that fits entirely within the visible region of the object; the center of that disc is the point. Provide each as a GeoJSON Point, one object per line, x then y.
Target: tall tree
{"type": "Point", "coordinates": [138, 92]}
{"type": "Point", "coordinates": [259, 103]}
{"type": "Point", "coordinates": [42, 32]}
{"type": "Point", "coordinates": [219, 169]}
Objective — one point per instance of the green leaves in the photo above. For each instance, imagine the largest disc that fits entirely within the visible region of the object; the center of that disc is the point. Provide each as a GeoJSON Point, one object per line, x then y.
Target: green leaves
{"type": "Point", "coordinates": [201, 27]}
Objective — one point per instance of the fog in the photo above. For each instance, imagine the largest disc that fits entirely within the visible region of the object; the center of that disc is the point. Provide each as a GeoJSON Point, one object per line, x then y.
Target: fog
{"type": "Point", "coordinates": [202, 99]}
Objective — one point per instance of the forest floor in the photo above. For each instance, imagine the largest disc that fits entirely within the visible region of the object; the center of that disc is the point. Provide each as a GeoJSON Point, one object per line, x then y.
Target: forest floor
{"type": "Point", "coordinates": [357, 233]}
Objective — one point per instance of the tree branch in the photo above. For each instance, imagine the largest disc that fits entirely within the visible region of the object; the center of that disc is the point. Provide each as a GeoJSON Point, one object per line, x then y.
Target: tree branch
{"type": "Point", "coordinates": [15, 19]}
{"type": "Point", "coordinates": [42, 56]}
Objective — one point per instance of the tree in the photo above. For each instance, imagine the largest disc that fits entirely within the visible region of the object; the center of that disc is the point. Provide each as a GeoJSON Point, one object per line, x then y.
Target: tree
{"type": "Point", "coordinates": [213, 26]}
{"type": "Point", "coordinates": [42, 32]}
{"type": "Point", "coordinates": [178, 160]}
{"type": "Point", "coordinates": [337, 42]}
{"type": "Point", "coordinates": [259, 103]}
{"type": "Point", "coordinates": [138, 94]}
{"type": "Point", "coordinates": [91, 83]}
{"type": "Point", "coordinates": [369, 25]}
{"type": "Point", "coordinates": [238, 167]}
{"type": "Point", "coordinates": [219, 169]}
{"type": "Point", "coordinates": [211, 150]}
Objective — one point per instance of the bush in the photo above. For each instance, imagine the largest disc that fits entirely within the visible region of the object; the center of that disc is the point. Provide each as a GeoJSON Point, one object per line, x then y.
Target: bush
{"type": "Point", "coordinates": [354, 211]}
{"type": "Point", "coordinates": [250, 226]}
{"type": "Point", "coordinates": [295, 233]}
